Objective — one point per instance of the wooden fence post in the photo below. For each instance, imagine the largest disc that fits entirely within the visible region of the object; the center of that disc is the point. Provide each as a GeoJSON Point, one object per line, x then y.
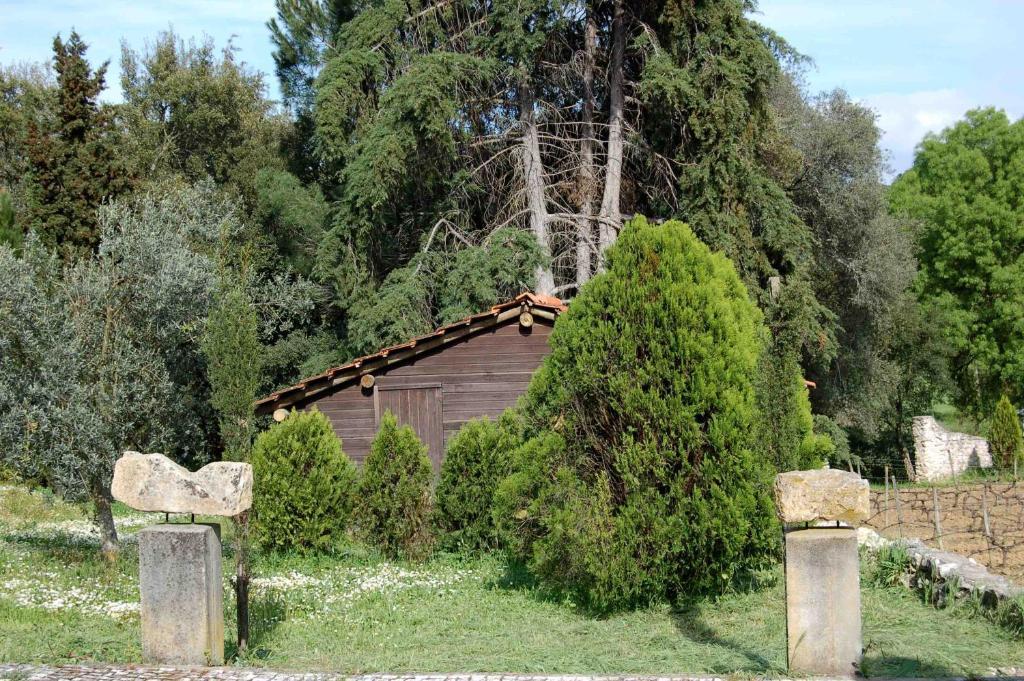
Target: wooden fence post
{"type": "Point", "coordinates": [899, 511]}
{"type": "Point", "coordinates": [984, 520]}
{"type": "Point", "coordinates": [887, 496]}
{"type": "Point", "coordinates": [909, 466]}
{"type": "Point", "coordinates": [938, 521]}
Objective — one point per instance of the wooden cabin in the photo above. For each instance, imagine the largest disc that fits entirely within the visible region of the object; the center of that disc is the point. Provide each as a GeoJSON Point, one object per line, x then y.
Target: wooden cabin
{"type": "Point", "coordinates": [475, 367]}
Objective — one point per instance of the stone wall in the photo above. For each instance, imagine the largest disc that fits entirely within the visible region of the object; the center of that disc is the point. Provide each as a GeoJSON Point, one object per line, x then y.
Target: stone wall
{"type": "Point", "coordinates": [941, 453]}
{"type": "Point", "coordinates": [936, 566]}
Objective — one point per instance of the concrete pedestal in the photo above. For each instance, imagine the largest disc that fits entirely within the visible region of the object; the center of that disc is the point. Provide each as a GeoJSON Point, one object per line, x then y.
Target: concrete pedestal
{"type": "Point", "coordinates": [182, 595]}
{"type": "Point", "coordinates": [823, 626]}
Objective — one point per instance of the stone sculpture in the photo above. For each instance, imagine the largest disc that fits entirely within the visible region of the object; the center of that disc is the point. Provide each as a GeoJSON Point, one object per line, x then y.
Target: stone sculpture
{"type": "Point", "coordinates": [823, 623]}
{"type": "Point", "coordinates": [152, 482]}
{"type": "Point", "coordinates": [180, 581]}
{"type": "Point", "coordinates": [823, 494]}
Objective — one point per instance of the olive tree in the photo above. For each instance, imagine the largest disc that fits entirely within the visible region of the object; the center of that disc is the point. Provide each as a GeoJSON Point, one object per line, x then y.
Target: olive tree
{"type": "Point", "coordinates": [99, 357]}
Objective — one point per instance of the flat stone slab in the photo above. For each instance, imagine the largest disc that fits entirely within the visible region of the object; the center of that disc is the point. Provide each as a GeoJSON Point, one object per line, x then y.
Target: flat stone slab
{"type": "Point", "coordinates": [970, 575]}
{"type": "Point", "coordinates": [822, 495]}
{"type": "Point", "coordinates": [152, 482]}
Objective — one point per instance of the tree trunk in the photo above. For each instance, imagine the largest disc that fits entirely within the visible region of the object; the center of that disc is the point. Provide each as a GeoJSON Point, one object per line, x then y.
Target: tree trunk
{"type": "Point", "coordinates": [242, 579]}
{"type": "Point", "coordinates": [533, 176]}
{"type": "Point", "coordinates": [102, 501]}
{"type": "Point", "coordinates": [588, 174]}
{"type": "Point", "coordinates": [611, 211]}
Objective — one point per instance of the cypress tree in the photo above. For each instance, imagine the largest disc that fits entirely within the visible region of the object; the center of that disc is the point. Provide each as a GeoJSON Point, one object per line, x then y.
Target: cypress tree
{"type": "Point", "coordinates": [1005, 436]}
{"type": "Point", "coordinates": [393, 501]}
{"type": "Point", "coordinates": [10, 235]}
{"type": "Point", "coordinates": [641, 482]}
{"type": "Point", "coordinates": [75, 166]}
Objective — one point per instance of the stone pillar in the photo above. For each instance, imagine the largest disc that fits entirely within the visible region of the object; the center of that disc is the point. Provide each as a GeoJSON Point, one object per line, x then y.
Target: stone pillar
{"type": "Point", "coordinates": [823, 626]}
{"type": "Point", "coordinates": [182, 592]}
{"type": "Point", "coordinates": [823, 630]}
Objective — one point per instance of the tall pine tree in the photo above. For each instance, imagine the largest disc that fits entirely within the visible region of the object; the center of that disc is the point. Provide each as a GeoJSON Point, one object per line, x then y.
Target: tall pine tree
{"type": "Point", "coordinates": [75, 165]}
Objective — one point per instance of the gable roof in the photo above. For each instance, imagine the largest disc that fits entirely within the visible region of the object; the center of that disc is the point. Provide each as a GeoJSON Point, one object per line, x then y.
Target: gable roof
{"type": "Point", "coordinates": [545, 307]}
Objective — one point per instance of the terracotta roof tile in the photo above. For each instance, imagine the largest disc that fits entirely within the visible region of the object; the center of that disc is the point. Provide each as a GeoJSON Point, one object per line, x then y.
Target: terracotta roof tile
{"type": "Point", "coordinates": [527, 298]}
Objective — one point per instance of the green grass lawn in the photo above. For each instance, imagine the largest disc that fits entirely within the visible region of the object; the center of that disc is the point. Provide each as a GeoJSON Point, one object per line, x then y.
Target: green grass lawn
{"type": "Point", "coordinates": [59, 602]}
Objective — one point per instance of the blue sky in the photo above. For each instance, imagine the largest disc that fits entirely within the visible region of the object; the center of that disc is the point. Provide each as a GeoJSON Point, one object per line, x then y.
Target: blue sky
{"type": "Point", "coordinates": [920, 64]}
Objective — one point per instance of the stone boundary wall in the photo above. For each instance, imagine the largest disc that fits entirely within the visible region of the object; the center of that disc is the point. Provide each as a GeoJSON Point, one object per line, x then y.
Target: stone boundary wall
{"type": "Point", "coordinates": [935, 566]}
{"type": "Point", "coordinates": [941, 453]}
{"type": "Point", "coordinates": [983, 521]}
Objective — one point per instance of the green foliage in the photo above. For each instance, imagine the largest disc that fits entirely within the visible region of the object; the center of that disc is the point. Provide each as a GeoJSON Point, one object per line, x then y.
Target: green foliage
{"type": "Point", "coordinates": [10, 233]}
{"type": "Point", "coordinates": [886, 362]}
{"type": "Point", "coordinates": [440, 287]}
{"type": "Point", "coordinates": [74, 157]}
{"type": "Point", "coordinates": [397, 311]}
{"type": "Point", "coordinates": [833, 443]}
{"type": "Point", "coordinates": [233, 353]}
{"type": "Point", "coordinates": [99, 357]}
{"type": "Point", "coordinates": [304, 485]}
{"type": "Point", "coordinates": [963, 190]}
{"type": "Point", "coordinates": [1005, 436]}
{"type": "Point", "coordinates": [28, 101]}
{"type": "Point", "coordinates": [293, 216]}
{"type": "Point", "coordinates": [892, 564]}
{"type": "Point", "coordinates": [706, 99]}
{"type": "Point", "coordinates": [785, 438]}
{"type": "Point", "coordinates": [197, 114]}
{"type": "Point", "coordinates": [478, 457]}
{"type": "Point", "coordinates": [474, 278]}
{"type": "Point", "coordinates": [393, 504]}
{"type": "Point", "coordinates": [423, 129]}
{"type": "Point", "coordinates": [643, 483]}
{"type": "Point", "coordinates": [520, 499]}
{"type": "Point", "coordinates": [301, 33]}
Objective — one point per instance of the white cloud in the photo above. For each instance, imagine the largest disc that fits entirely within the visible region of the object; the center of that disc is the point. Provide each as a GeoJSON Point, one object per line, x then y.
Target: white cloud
{"type": "Point", "coordinates": [905, 118]}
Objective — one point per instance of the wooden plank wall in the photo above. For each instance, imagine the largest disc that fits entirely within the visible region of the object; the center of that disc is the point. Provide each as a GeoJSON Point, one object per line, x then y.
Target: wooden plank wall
{"type": "Point", "coordinates": [481, 375]}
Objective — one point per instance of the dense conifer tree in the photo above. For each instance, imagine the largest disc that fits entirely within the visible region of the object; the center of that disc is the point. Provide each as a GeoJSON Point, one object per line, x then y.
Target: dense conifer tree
{"type": "Point", "coordinates": [641, 482]}
{"type": "Point", "coordinates": [75, 163]}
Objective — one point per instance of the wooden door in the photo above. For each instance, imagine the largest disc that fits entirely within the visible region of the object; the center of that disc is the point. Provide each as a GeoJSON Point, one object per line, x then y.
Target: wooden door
{"type": "Point", "coordinates": [419, 407]}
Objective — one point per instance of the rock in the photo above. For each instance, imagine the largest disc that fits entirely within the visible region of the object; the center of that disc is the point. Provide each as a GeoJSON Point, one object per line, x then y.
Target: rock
{"type": "Point", "coordinates": [152, 482]}
{"type": "Point", "coordinates": [870, 539]}
{"type": "Point", "coordinates": [823, 494]}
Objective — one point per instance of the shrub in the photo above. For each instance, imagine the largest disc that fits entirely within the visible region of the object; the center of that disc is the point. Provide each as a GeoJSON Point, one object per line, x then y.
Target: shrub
{"type": "Point", "coordinates": [303, 487]}
{"type": "Point", "coordinates": [837, 451]}
{"type": "Point", "coordinates": [641, 483]}
{"type": "Point", "coordinates": [1005, 435]}
{"type": "Point", "coordinates": [477, 459]}
{"type": "Point", "coordinates": [394, 494]}
{"type": "Point", "coordinates": [785, 426]}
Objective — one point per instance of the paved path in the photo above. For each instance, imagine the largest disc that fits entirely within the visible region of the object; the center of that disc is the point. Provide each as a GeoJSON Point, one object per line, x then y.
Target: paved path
{"type": "Point", "coordinates": [24, 672]}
